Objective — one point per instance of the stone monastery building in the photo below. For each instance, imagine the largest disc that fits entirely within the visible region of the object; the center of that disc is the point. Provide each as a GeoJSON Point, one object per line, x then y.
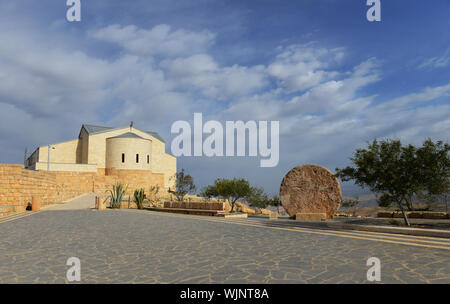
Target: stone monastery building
{"type": "Point", "coordinates": [123, 152]}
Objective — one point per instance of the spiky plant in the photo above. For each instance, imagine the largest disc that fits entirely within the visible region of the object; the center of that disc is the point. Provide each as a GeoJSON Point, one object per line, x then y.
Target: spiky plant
{"type": "Point", "coordinates": [116, 195]}
{"type": "Point", "coordinates": [139, 197]}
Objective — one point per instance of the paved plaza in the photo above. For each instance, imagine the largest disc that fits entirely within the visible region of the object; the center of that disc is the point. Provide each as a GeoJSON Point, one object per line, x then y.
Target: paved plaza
{"type": "Point", "coordinates": [140, 246]}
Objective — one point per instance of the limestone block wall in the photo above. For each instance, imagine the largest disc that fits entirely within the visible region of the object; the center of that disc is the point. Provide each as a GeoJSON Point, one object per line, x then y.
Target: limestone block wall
{"type": "Point", "coordinates": [163, 163]}
{"type": "Point", "coordinates": [66, 167]}
{"type": "Point", "coordinates": [168, 169]}
{"type": "Point", "coordinates": [97, 146]}
{"type": "Point", "coordinates": [65, 152]}
{"type": "Point", "coordinates": [129, 147]}
{"type": "Point", "coordinates": [18, 185]}
{"type": "Point", "coordinates": [160, 161]}
{"type": "Point", "coordinates": [135, 179]}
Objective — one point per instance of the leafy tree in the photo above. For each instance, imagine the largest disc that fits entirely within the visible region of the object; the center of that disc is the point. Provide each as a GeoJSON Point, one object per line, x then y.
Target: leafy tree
{"type": "Point", "coordinates": [153, 194]}
{"type": "Point", "coordinates": [230, 189]}
{"type": "Point", "coordinates": [257, 198]}
{"type": "Point", "coordinates": [184, 184]}
{"type": "Point", "coordinates": [351, 203]}
{"type": "Point", "coordinates": [399, 173]}
{"type": "Point", "coordinates": [276, 202]}
{"type": "Point", "coordinates": [435, 162]}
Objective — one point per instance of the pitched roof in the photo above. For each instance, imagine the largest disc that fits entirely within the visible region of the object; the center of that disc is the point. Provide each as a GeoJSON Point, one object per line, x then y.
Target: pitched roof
{"type": "Point", "coordinates": [128, 135]}
{"type": "Point", "coordinates": [91, 129]}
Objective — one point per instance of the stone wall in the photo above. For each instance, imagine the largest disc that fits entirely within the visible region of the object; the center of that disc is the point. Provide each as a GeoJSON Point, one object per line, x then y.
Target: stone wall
{"type": "Point", "coordinates": [64, 167]}
{"type": "Point", "coordinates": [18, 185]}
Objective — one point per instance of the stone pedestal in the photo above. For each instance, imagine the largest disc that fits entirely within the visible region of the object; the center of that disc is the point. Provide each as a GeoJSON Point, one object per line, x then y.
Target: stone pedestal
{"type": "Point", "coordinates": [99, 203]}
{"type": "Point", "coordinates": [35, 204]}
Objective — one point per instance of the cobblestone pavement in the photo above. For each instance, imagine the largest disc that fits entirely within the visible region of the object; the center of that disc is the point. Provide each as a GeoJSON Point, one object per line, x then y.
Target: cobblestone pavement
{"type": "Point", "coordinates": [138, 246]}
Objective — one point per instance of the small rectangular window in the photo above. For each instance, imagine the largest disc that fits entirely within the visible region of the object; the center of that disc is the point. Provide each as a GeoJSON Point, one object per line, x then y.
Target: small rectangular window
{"type": "Point", "coordinates": [137, 158]}
{"type": "Point", "coordinates": [123, 157]}
{"type": "Point", "coordinates": [148, 159]}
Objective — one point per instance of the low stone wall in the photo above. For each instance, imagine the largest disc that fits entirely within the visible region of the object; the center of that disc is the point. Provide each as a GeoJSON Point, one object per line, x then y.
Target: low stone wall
{"type": "Point", "coordinates": [63, 167]}
{"type": "Point", "coordinates": [18, 185]}
{"type": "Point", "coordinates": [414, 214]}
{"type": "Point", "coordinates": [196, 205]}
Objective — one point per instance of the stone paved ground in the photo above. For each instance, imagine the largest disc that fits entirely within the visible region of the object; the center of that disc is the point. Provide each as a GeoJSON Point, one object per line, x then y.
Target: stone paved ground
{"type": "Point", "coordinates": [121, 246]}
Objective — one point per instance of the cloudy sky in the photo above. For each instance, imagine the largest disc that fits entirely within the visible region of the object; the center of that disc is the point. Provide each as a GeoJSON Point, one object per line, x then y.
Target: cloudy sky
{"type": "Point", "coordinates": [331, 78]}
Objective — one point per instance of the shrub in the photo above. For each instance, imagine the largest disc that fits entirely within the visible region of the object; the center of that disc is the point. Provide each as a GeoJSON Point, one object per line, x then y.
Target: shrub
{"type": "Point", "coordinates": [116, 195]}
{"type": "Point", "coordinates": [395, 222]}
{"type": "Point", "coordinates": [139, 197]}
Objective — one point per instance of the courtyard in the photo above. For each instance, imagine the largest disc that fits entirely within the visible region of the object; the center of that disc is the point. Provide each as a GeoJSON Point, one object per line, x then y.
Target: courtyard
{"type": "Point", "coordinates": [140, 246]}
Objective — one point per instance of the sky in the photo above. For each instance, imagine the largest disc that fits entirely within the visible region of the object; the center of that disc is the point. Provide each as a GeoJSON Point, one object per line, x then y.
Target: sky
{"type": "Point", "coordinates": [333, 80]}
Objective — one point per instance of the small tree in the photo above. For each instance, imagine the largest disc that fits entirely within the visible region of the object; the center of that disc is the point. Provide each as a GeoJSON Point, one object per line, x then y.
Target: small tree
{"type": "Point", "coordinates": [230, 189]}
{"type": "Point", "coordinates": [351, 203]}
{"type": "Point", "coordinates": [276, 202]}
{"type": "Point", "coordinates": [399, 173]}
{"type": "Point", "coordinates": [184, 184]}
{"type": "Point", "coordinates": [153, 194]}
{"type": "Point", "coordinates": [257, 198]}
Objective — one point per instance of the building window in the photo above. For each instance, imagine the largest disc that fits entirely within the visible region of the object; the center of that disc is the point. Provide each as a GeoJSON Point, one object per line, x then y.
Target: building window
{"type": "Point", "coordinates": [123, 157]}
{"type": "Point", "coordinates": [148, 159]}
{"type": "Point", "coordinates": [137, 158]}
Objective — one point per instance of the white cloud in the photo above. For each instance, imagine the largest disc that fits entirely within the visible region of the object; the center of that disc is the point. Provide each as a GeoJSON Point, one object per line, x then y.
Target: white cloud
{"type": "Point", "coordinates": [160, 40]}
{"type": "Point", "coordinates": [163, 75]}
{"type": "Point", "coordinates": [437, 62]}
{"type": "Point", "coordinates": [300, 67]}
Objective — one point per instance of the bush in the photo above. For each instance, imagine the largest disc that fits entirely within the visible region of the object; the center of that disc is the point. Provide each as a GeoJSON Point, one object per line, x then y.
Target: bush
{"type": "Point", "coordinates": [116, 195]}
{"type": "Point", "coordinates": [394, 223]}
{"type": "Point", "coordinates": [139, 197]}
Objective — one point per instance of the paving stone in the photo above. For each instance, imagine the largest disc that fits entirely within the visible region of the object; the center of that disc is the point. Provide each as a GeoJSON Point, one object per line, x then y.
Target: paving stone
{"type": "Point", "coordinates": [146, 247]}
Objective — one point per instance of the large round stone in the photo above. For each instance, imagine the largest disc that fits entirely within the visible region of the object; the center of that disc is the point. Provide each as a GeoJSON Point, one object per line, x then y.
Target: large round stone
{"type": "Point", "coordinates": [310, 189]}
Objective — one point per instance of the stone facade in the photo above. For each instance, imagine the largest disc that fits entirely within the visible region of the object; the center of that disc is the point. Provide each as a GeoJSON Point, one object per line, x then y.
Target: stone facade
{"type": "Point", "coordinates": [18, 185]}
{"type": "Point", "coordinates": [100, 158]}
{"type": "Point", "coordinates": [104, 150]}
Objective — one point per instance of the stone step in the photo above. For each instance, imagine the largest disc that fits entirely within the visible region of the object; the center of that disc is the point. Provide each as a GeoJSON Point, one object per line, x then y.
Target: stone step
{"type": "Point", "coordinates": [7, 210]}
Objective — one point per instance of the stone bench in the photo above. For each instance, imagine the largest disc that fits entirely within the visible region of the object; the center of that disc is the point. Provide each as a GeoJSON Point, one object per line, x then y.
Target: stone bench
{"type": "Point", "coordinates": [195, 208]}
{"type": "Point", "coordinates": [195, 205]}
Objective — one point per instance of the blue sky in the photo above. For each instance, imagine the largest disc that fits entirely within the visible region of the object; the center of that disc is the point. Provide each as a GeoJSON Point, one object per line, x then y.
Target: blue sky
{"type": "Point", "coordinates": [332, 79]}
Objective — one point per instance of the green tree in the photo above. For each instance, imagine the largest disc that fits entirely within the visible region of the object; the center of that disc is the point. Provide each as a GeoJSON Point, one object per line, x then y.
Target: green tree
{"type": "Point", "coordinates": [276, 202]}
{"type": "Point", "coordinates": [229, 189]}
{"type": "Point", "coordinates": [257, 198]}
{"type": "Point", "coordinates": [399, 173]}
{"type": "Point", "coordinates": [184, 184]}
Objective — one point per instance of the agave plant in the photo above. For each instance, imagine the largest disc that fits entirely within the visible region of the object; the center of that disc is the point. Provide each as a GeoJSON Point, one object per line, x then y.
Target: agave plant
{"type": "Point", "coordinates": [116, 195]}
{"type": "Point", "coordinates": [139, 197]}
